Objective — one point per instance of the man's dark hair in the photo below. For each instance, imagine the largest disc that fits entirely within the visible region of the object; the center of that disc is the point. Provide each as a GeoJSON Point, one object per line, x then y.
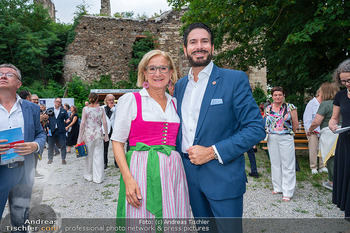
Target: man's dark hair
{"type": "Point", "coordinates": [24, 94]}
{"type": "Point", "coordinates": [196, 26]}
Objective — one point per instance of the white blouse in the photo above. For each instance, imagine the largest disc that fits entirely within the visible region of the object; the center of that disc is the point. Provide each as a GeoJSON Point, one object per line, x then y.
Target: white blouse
{"type": "Point", "coordinates": [126, 111]}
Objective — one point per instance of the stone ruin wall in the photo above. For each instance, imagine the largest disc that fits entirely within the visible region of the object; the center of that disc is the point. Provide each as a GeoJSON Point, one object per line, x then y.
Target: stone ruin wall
{"type": "Point", "coordinates": [103, 46]}
{"type": "Point", "coordinates": [49, 6]}
{"type": "Point", "coordinates": [105, 8]}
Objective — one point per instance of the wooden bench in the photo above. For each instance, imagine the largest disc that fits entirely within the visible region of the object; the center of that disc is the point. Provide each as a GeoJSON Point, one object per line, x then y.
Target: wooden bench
{"type": "Point", "coordinates": [299, 138]}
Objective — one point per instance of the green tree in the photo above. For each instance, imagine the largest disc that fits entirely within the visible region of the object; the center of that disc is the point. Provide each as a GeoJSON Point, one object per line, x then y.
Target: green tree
{"type": "Point", "coordinates": [51, 90]}
{"type": "Point", "coordinates": [299, 41]}
{"type": "Point", "coordinates": [31, 40]}
{"type": "Point", "coordinates": [140, 48]}
{"type": "Point", "coordinates": [78, 90]}
{"type": "Point", "coordinates": [259, 95]}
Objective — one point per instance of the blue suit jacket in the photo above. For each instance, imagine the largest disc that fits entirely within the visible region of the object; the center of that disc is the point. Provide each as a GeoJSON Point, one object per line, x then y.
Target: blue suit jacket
{"type": "Point", "coordinates": [233, 124]}
{"type": "Point", "coordinates": [33, 132]}
{"type": "Point", "coordinates": [61, 125]}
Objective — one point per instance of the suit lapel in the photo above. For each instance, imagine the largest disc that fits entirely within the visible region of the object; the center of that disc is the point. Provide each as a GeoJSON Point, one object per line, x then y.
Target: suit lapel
{"type": "Point", "coordinates": [208, 95]}
{"type": "Point", "coordinates": [181, 90]}
{"type": "Point", "coordinates": [179, 97]}
{"type": "Point", "coordinates": [25, 113]}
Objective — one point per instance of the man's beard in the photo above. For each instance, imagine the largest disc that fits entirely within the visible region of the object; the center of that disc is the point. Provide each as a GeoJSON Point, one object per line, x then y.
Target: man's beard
{"type": "Point", "coordinates": [201, 62]}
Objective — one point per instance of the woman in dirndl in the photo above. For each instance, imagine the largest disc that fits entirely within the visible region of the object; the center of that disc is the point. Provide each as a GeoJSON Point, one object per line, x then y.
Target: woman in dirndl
{"type": "Point", "coordinates": [153, 182]}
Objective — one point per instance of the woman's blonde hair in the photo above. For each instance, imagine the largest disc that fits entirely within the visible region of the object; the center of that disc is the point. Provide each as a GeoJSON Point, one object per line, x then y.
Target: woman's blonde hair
{"type": "Point", "coordinates": [328, 90]}
{"type": "Point", "coordinates": [145, 60]}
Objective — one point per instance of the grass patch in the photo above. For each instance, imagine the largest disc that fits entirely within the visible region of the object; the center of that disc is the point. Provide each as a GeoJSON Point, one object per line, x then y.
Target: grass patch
{"type": "Point", "coordinates": [301, 211]}
{"type": "Point", "coordinates": [107, 194]}
{"type": "Point", "coordinates": [110, 185]}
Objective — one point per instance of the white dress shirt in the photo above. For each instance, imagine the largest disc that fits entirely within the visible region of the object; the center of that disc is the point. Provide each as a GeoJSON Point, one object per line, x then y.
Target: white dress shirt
{"type": "Point", "coordinates": [14, 118]}
{"type": "Point", "coordinates": [126, 111]}
{"type": "Point", "coordinates": [191, 106]}
{"type": "Point", "coordinates": [110, 121]}
{"type": "Point", "coordinates": [310, 114]}
{"type": "Point", "coordinates": [57, 113]}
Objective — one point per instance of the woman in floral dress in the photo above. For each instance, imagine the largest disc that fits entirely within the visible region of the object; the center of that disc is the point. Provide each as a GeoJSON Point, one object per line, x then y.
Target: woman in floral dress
{"type": "Point", "coordinates": [91, 133]}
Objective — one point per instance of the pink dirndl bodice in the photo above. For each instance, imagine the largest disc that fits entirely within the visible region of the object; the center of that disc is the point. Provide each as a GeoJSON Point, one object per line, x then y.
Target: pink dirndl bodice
{"type": "Point", "coordinates": [175, 198]}
{"type": "Point", "coordinates": [151, 132]}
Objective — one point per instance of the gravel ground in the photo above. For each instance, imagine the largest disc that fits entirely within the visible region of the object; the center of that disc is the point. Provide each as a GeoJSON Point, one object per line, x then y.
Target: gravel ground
{"type": "Point", "coordinates": [64, 189]}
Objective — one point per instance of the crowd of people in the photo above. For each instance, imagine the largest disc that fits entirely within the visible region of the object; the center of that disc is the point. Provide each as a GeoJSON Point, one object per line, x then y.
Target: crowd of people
{"type": "Point", "coordinates": [186, 149]}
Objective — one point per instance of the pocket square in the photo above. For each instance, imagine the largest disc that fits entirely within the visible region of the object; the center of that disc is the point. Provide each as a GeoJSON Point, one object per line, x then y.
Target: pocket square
{"type": "Point", "coordinates": [216, 101]}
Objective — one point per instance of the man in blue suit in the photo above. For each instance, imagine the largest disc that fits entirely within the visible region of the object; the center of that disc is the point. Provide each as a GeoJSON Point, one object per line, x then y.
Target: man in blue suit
{"type": "Point", "coordinates": [17, 178]}
{"type": "Point", "coordinates": [57, 126]}
{"type": "Point", "coordinates": [220, 120]}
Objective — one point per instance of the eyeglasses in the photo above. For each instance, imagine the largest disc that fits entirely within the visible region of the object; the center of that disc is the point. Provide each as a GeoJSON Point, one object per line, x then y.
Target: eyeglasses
{"type": "Point", "coordinates": [8, 75]}
{"type": "Point", "coordinates": [153, 69]}
{"type": "Point", "coordinates": [345, 81]}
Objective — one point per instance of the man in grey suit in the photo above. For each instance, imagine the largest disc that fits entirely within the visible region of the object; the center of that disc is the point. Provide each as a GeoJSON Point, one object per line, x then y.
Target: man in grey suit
{"type": "Point", "coordinates": [17, 178]}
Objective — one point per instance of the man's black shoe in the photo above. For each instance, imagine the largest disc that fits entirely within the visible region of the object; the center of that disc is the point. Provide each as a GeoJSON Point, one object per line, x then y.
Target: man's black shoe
{"type": "Point", "coordinates": [254, 174]}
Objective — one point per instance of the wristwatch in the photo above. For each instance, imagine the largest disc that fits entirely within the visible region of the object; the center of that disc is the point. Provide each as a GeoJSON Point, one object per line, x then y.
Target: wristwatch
{"type": "Point", "coordinates": [215, 155]}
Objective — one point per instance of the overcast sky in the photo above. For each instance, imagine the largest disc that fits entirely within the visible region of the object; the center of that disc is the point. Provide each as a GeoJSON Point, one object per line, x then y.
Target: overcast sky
{"type": "Point", "coordinates": [65, 8]}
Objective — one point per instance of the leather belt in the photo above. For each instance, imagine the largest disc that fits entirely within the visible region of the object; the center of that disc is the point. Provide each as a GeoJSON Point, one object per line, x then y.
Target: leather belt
{"type": "Point", "coordinates": [15, 164]}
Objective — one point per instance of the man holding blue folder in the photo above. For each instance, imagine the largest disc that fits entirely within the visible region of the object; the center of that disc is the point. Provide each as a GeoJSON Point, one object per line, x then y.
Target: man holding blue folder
{"type": "Point", "coordinates": [17, 178]}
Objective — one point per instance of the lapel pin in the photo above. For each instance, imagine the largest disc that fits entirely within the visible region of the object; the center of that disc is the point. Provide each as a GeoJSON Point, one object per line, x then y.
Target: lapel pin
{"type": "Point", "coordinates": [214, 83]}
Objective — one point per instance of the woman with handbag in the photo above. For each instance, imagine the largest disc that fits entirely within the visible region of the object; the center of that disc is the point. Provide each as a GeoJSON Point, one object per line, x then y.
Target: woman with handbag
{"type": "Point", "coordinates": [281, 123]}
{"type": "Point", "coordinates": [93, 118]}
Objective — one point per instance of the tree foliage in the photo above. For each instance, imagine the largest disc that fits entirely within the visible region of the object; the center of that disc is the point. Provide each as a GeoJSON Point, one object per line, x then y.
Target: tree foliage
{"type": "Point", "coordinates": [140, 48]}
{"type": "Point", "coordinates": [259, 95]}
{"type": "Point", "coordinates": [31, 40]}
{"type": "Point", "coordinates": [51, 90]}
{"type": "Point", "coordinates": [299, 41]}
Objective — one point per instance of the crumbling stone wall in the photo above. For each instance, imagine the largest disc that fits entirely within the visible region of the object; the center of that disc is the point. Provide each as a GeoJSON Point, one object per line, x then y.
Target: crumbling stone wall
{"type": "Point", "coordinates": [103, 46]}
{"type": "Point", "coordinates": [49, 6]}
{"type": "Point", "coordinates": [105, 8]}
